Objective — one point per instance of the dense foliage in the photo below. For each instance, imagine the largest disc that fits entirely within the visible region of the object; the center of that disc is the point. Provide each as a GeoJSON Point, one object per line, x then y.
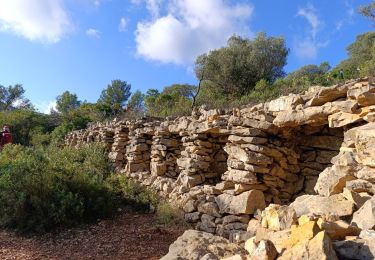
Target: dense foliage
{"type": "Point", "coordinates": [41, 189]}
{"type": "Point", "coordinates": [236, 68]}
{"type": "Point", "coordinates": [113, 99]}
{"type": "Point", "coordinates": [67, 102]}
{"type": "Point", "coordinates": [12, 97]}
{"type": "Point", "coordinates": [172, 101]}
{"type": "Point", "coordinates": [361, 60]}
{"type": "Point", "coordinates": [368, 10]}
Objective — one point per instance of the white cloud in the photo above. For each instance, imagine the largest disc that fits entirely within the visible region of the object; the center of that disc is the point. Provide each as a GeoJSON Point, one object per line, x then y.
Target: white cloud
{"type": "Point", "coordinates": [308, 47]}
{"type": "Point", "coordinates": [50, 107]}
{"type": "Point", "coordinates": [189, 28]}
{"type": "Point", "coordinates": [123, 24]}
{"type": "Point", "coordinates": [36, 20]}
{"type": "Point", "coordinates": [93, 33]}
{"type": "Point", "coordinates": [97, 3]}
{"type": "Point", "coordinates": [310, 13]}
{"type": "Point", "coordinates": [46, 106]}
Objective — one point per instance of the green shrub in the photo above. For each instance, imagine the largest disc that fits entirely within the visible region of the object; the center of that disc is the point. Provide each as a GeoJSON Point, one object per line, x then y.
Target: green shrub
{"type": "Point", "coordinates": [42, 189]}
{"type": "Point", "coordinates": [132, 193]}
{"type": "Point", "coordinates": [167, 214]}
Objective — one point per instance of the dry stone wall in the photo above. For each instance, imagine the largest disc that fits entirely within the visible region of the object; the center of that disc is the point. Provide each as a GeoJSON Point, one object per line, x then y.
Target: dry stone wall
{"type": "Point", "coordinates": [223, 167]}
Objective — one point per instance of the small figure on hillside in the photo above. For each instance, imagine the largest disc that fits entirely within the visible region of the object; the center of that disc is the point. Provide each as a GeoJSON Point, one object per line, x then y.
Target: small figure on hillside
{"type": "Point", "coordinates": [5, 137]}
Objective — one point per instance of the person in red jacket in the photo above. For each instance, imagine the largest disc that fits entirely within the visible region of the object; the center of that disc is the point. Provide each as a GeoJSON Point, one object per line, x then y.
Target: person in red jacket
{"type": "Point", "coordinates": [6, 136]}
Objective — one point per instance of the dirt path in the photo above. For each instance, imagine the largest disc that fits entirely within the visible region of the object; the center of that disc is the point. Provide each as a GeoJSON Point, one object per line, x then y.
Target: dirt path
{"type": "Point", "coordinates": [128, 236]}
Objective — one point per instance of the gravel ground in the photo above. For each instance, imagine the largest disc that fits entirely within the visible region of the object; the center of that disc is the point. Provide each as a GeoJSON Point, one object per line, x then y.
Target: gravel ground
{"type": "Point", "coordinates": [129, 235]}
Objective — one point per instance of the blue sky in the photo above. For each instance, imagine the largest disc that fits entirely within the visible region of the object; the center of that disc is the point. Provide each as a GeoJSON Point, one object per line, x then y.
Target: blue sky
{"type": "Point", "coordinates": [81, 45]}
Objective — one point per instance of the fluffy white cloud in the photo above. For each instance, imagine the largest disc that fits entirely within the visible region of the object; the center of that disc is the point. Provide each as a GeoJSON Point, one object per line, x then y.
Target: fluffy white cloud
{"type": "Point", "coordinates": [93, 33]}
{"type": "Point", "coordinates": [40, 20]}
{"type": "Point", "coordinates": [189, 28]}
{"type": "Point", "coordinates": [308, 47]}
{"type": "Point", "coordinates": [123, 24]}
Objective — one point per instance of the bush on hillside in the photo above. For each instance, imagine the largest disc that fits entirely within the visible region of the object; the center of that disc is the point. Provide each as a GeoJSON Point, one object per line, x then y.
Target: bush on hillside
{"type": "Point", "coordinates": [41, 189]}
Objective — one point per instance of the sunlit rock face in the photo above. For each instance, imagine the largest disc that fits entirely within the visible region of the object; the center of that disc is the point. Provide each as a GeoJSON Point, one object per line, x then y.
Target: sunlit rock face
{"type": "Point", "coordinates": [314, 151]}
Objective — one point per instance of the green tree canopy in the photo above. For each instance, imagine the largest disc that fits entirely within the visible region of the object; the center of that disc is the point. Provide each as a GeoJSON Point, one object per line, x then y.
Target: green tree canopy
{"type": "Point", "coordinates": [113, 99]}
{"type": "Point", "coordinates": [136, 102]}
{"type": "Point", "coordinates": [309, 75]}
{"type": "Point", "coordinates": [236, 68]}
{"type": "Point", "coordinates": [67, 102]}
{"type": "Point", "coordinates": [368, 11]}
{"type": "Point", "coordinates": [361, 60]}
{"type": "Point", "coordinates": [172, 101]}
{"type": "Point", "coordinates": [11, 97]}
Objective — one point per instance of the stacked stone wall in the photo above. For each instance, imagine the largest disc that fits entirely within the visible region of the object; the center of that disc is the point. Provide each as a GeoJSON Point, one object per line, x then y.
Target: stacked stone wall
{"type": "Point", "coordinates": [222, 167]}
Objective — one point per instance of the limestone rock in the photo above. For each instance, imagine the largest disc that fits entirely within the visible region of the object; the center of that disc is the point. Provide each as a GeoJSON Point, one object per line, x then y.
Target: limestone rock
{"type": "Point", "coordinates": [311, 115]}
{"type": "Point", "coordinates": [194, 244]}
{"type": "Point", "coordinates": [360, 186]}
{"type": "Point", "coordinates": [339, 229]}
{"type": "Point", "coordinates": [327, 94]}
{"type": "Point", "coordinates": [243, 140]}
{"type": "Point", "coordinates": [265, 250]}
{"type": "Point", "coordinates": [366, 99]}
{"type": "Point", "coordinates": [285, 103]}
{"type": "Point", "coordinates": [250, 245]}
{"type": "Point", "coordinates": [320, 247]}
{"type": "Point", "coordinates": [333, 180]}
{"type": "Point", "coordinates": [364, 218]}
{"type": "Point", "coordinates": [312, 204]}
{"type": "Point", "coordinates": [276, 217]}
{"type": "Point", "coordinates": [278, 238]}
{"type": "Point", "coordinates": [341, 119]}
{"type": "Point", "coordinates": [357, 198]}
{"type": "Point", "coordinates": [209, 208]}
{"type": "Point", "coordinates": [247, 156]}
{"type": "Point", "coordinates": [238, 176]}
{"type": "Point", "coordinates": [245, 203]}
{"type": "Point", "coordinates": [358, 89]}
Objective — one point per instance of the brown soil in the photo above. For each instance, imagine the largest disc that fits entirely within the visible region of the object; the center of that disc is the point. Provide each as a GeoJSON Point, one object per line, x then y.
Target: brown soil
{"type": "Point", "coordinates": [129, 235]}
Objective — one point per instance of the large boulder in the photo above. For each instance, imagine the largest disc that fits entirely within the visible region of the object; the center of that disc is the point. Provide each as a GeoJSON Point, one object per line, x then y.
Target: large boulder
{"type": "Point", "coordinates": [193, 245]}
{"type": "Point", "coordinates": [245, 203]}
{"type": "Point", "coordinates": [323, 206]}
{"type": "Point", "coordinates": [333, 180]}
{"type": "Point", "coordinates": [320, 247]}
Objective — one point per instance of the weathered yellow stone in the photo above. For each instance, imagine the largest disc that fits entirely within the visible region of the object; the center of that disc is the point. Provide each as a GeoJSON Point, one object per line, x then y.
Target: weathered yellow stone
{"type": "Point", "coordinates": [302, 233]}
{"type": "Point", "coordinates": [276, 217]}
{"type": "Point", "coordinates": [318, 248]}
{"type": "Point", "coordinates": [250, 245]}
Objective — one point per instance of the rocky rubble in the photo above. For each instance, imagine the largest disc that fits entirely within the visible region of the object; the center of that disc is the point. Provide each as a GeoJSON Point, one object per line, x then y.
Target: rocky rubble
{"type": "Point", "coordinates": [292, 178]}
